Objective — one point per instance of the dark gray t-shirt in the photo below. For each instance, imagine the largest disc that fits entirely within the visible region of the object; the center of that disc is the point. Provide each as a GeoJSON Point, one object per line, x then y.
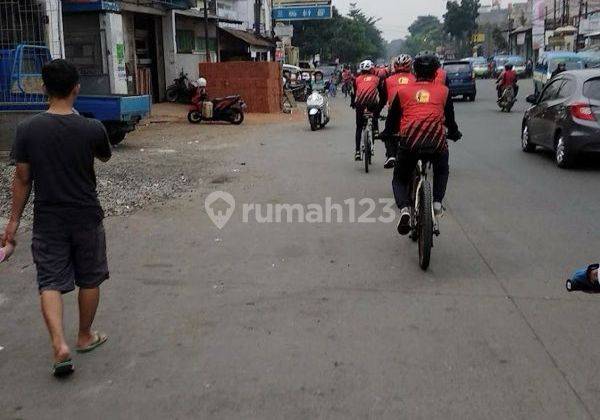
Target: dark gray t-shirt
{"type": "Point", "coordinates": [60, 150]}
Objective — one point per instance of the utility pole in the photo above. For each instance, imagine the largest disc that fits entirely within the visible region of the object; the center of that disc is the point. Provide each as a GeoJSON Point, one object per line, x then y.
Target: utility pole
{"type": "Point", "coordinates": [206, 32]}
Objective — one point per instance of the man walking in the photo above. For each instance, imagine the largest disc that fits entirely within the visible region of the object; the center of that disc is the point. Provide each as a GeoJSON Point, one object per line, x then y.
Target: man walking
{"type": "Point", "coordinates": [55, 153]}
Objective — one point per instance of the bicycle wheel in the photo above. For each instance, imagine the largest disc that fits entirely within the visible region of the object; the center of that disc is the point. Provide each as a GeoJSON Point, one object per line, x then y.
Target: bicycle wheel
{"type": "Point", "coordinates": [367, 147]}
{"type": "Point", "coordinates": [425, 225]}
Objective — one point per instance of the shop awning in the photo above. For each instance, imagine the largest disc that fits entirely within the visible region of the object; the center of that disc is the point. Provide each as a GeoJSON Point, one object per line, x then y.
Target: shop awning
{"type": "Point", "coordinates": [249, 38]}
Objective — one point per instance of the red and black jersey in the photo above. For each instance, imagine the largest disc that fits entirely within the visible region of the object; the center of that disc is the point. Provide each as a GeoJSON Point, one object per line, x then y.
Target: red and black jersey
{"type": "Point", "coordinates": [367, 91]}
{"type": "Point", "coordinates": [396, 82]}
{"type": "Point", "coordinates": [508, 78]}
{"type": "Point", "coordinates": [423, 109]}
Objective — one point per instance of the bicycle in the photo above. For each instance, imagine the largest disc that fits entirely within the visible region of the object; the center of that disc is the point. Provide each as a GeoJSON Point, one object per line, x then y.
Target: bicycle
{"type": "Point", "coordinates": [424, 224]}
{"type": "Point", "coordinates": [368, 145]}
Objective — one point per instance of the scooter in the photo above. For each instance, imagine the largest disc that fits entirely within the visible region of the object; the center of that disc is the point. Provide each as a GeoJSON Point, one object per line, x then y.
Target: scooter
{"type": "Point", "coordinates": [317, 107]}
{"type": "Point", "coordinates": [507, 100]}
{"type": "Point", "coordinates": [182, 90]}
{"type": "Point", "coordinates": [230, 109]}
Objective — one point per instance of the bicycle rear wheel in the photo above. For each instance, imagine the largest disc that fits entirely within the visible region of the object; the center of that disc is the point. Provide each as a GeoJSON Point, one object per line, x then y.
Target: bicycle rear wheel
{"type": "Point", "coordinates": [425, 225]}
{"type": "Point", "coordinates": [368, 149]}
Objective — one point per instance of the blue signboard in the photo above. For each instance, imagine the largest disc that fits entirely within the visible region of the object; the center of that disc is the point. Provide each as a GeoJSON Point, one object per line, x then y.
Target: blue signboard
{"type": "Point", "coordinates": [302, 12]}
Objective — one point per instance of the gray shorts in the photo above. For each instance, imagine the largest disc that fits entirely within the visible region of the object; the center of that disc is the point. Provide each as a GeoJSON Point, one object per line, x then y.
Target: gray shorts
{"type": "Point", "coordinates": [70, 257]}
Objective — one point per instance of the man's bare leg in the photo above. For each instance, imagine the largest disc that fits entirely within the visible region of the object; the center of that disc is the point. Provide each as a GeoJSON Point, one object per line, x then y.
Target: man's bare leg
{"type": "Point", "coordinates": [52, 309]}
{"type": "Point", "coordinates": [88, 304]}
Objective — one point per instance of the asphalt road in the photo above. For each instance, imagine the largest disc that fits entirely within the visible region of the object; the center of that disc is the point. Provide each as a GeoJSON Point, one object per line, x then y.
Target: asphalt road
{"type": "Point", "coordinates": [335, 320]}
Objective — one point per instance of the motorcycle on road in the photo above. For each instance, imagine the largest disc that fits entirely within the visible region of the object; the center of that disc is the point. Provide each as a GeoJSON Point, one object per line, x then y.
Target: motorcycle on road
{"type": "Point", "coordinates": [317, 107]}
{"type": "Point", "coordinates": [507, 99]}
{"type": "Point", "coordinates": [229, 109]}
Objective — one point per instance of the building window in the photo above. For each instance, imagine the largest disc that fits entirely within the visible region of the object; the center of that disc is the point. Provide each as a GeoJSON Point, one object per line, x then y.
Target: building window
{"type": "Point", "coordinates": [201, 46]}
{"type": "Point", "coordinates": [185, 41]}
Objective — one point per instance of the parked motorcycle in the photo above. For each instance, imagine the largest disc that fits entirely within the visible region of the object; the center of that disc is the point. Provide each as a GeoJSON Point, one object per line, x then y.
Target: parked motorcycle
{"type": "Point", "coordinates": [317, 107]}
{"type": "Point", "coordinates": [182, 90]}
{"type": "Point", "coordinates": [230, 109]}
{"type": "Point", "coordinates": [507, 100]}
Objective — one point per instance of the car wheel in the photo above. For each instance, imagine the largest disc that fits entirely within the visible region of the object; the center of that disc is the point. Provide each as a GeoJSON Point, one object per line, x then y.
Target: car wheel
{"type": "Point", "coordinates": [562, 154]}
{"type": "Point", "coordinates": [472, 98]}
{"type": "Point", "coordinates": [526, 145]}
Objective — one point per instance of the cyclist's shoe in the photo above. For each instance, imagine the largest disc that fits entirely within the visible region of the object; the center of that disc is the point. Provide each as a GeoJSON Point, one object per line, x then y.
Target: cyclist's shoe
{"type": "Point", "coordinates": [357, 156]}
{"type": "Point", "coordinates": [404, 223]}
{"type": "Point", "coordinates": [438, 209]}
{"type": "Point", "coordinates": [390, 162]}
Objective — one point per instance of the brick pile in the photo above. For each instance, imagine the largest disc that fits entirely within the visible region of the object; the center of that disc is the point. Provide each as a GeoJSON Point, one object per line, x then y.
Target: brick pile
{"type": "Point", "coordinates": [259, 83]}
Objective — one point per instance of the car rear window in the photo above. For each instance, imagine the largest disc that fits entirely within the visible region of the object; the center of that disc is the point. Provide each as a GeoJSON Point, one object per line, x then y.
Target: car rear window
{"type": "Point", "coordinates": [457, 68]}
{"type": "Point", "coordinates": [591, 89]}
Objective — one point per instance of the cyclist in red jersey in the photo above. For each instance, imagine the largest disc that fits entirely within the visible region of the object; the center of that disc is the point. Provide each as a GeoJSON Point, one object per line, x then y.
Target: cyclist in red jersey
{"type": "Point", "coordinates": [400, 78]}
{"type": "Point", "coordinates": [507, 78]}
{"type": "Point", "coordinates": [368, 91]}
{"type": "Point", "coordinates": [421, 113]}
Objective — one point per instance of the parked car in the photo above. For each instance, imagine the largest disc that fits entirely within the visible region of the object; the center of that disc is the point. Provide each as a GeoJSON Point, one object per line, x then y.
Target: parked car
{"type": "Point", "coordinates": [565, 118]}
{"type": "Point", "coordinates": [480, 67]}
{"type": "Point", "coordinates": [548, 62]}
{"type": "Point", "coordinates": [307, 67]}
{"type": "Point", "coordinates": [461, 80]}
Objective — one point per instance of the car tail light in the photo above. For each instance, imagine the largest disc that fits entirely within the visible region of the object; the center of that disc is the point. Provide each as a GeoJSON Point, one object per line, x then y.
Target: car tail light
{"type": "Point", "coordinates": [582, 111]}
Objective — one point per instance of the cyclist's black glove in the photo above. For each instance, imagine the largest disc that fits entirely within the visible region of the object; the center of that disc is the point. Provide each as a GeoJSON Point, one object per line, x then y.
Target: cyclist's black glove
{"type": "Point", "coordinates": [455, 136]}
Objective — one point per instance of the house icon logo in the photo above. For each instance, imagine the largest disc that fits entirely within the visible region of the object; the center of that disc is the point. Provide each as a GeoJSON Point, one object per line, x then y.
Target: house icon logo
{"type": "Point", "coordinates": [219, 206]}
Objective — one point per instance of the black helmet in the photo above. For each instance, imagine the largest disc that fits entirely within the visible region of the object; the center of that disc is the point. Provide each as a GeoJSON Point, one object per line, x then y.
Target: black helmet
{"type": "Point", "coordinates": [426, 65]}
{"type": "Point", "coordinates": [508, 66]}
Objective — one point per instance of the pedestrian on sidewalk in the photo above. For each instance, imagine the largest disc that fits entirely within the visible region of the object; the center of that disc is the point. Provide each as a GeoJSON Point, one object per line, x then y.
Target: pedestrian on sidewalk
{"type": "Point", "coordinates": [54, 152]}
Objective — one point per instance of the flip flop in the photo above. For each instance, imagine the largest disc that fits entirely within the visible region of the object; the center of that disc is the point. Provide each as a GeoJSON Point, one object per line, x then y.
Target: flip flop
{"type": "Point", "coordinates": [63, 368]}
{"type": "Point", "coordinates": [98, 341]}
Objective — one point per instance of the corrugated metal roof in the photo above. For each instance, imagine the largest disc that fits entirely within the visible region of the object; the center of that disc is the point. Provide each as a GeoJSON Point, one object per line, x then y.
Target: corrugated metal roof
{"type": "Point", "coordinates": [249, 38]}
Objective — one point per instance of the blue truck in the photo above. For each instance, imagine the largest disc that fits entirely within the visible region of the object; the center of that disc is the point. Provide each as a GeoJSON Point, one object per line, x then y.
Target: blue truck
{"type": "Point", "coordinates": [21, 90]}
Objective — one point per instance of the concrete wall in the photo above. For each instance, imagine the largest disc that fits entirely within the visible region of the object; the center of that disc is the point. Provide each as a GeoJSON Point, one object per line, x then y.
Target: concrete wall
{"type": "Point", "coordinates": [259, 83]}
{"type": "Point", "coordinates": [112, 24]}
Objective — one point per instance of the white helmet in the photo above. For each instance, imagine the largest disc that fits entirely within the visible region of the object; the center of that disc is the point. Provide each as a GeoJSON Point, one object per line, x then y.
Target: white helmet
{"type": "Point", "coordinates": [201, 82]}
{"type": "Point", "coordinates": [366, 66]}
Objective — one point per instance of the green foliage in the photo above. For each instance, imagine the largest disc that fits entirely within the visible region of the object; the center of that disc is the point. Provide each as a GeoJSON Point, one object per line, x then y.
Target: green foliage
{"type": "Point", "coordinates": [425, 34]}
{"type": "Point", "coordinates": [350, 38]}
{"type": "Point", "coordinates": [499, 39]}
{"type": "Point", "coordinates": [460, 21]}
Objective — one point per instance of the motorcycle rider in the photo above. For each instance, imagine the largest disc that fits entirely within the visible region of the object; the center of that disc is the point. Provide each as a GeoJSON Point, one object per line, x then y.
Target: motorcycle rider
{"type": "Point", "coordinates": [507, 78]}
{"type": "Point", "coordinates": [347, 79]}
{"type": "Point", "coordinates": [318, 84]}
{"type": "Point", "coordinates": [368, 91]}
{"type": "Point", "coordinates": [400, 78]}
{"type": "Point", "coordinates": [421, 113]}
{"type": "Point", "coordinates": [201, 89]}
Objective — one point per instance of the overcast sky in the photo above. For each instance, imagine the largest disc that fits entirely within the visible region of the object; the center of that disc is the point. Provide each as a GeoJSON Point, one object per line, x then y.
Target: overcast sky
{"type": "Point", "coordinates": [397, 15]}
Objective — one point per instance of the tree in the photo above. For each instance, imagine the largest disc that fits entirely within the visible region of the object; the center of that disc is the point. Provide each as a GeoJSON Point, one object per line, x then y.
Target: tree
{"type": "Point", "coordinates": [425, 34]}
{"type": "Point", "coordinates": [460, 21]}
{"type": "Point", "coordinates": [350, 38]}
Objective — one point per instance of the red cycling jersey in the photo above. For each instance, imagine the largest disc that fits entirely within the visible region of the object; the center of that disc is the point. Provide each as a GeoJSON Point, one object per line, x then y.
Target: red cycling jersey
{"type": "Point", "coordinates": [366, 88]}
{"type": "Point", "coordinates": [396, 82]}
{"type": "Point", "coordinates": [422, 119]}
{"type": "Point", "coordinates": [440, 76]}
{"type": "Point", "coordinates": [508, 78]}
{"type": "Point", "coordinates": [382, 72]}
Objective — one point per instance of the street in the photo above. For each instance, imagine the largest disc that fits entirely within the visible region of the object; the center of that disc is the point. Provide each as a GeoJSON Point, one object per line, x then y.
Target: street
{"type": "Point", "coordinates": [330, 320]}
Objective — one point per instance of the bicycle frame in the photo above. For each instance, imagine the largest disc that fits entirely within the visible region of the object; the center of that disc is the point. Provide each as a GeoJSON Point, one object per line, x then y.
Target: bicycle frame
{"type": "Point", "coordinates": [421, 171]}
